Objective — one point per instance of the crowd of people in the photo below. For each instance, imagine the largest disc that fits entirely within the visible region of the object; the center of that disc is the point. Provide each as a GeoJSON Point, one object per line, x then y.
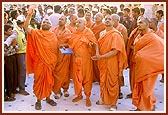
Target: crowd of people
{"type": "Point", "coordinates": [104, 40]}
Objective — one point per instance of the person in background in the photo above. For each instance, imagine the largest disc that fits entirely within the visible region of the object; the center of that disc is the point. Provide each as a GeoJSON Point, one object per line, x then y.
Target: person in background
{"type": "Point", "coordinates": [72, 25]}
{"type": "Point", "coordinates": [159, 16]}
{"type": "Point", "coordinates": [126, 20]}
{"type": "Point", "coordinates": [21, 53]}
{"type": "Point", "coordinates": [89, 22]}
{"type": "Point", "coordinates": [10, 67]}
{"type": "Point", "coordinates": [40, 14]}
{"type": "Point", "coordinates": [54, 18]}
{"type": "Point", "coordinates": [96, 28]}
{"type": "Point", "coordinates": [121, 28]}
{"type": "Point", "coordinates": [81, 13]}
{"type": "Point", "coordinates": [153, 25]}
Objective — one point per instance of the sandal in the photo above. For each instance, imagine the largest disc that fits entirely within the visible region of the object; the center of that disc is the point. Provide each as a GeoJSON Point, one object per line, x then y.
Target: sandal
{"type": "Point", "coordinates": [113, 108]}
{"type": "Point", "coordinates": [129, 96]}
{"type": "Point", "coordinates": [51, 102]}
{"type": "Point", "coordinates": [58, 96]}
{"type": "Point", "coordinates": [38, 105]}
{"type": "Point", "coordinates": [66, 94]}
{"type": "Point", "coordinates": [120, 95]}
{"type": "Point", "coordinates": [76, 99]}
{"type": "Point", "coordinates": [99, 102]}
{"type": "Point", "coordinates": [88, 102]}
{"type": "Point", "coordinates": [9, 98]}
{"type": "Point", "coordinates": [135, 109]}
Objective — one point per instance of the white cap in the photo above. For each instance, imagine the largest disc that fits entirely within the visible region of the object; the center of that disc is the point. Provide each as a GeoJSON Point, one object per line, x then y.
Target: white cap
{"type": "Point", "coordinates": [21, 18]}
{"type": "Point", "coordinates": [49, 11]}
{"type": "Point", "coordinates": [95, 9]}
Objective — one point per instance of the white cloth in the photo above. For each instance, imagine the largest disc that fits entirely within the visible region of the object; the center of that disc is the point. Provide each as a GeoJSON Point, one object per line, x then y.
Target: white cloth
{"type": "Point", "coordinates": [54, 18]}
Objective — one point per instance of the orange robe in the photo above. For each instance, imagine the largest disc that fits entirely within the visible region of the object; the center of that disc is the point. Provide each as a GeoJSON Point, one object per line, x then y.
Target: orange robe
{"type": "Point", "coordinates": [41, 58]}
{"type": "Point", "coordinates": [160, 33]}
{"type": "Point", "coordinates": [149, 62]}
{"type": "Point", "coordinates": [129, 52]}
{"type": "Point", "coordinates": [71, 28]}
{"type": "Point", "coordinates": [62, 69]}
{"type": "Point", "coordinates": [121, 28]}
{"type": "Point", "coordinates": [162, 27]}
{"type": "Point", "coordinates": [82, 63]}
{"type": "Point", "coordinates": [89, 24]}
{"type": "Point", "coordinates": [96, 29]}
{"type": "Point", "coordinates": [111, 67]}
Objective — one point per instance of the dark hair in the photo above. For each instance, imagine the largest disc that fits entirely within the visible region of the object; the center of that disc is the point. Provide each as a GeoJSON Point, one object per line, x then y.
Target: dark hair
{"type": "Point", "coordinates": [160, 12]}
{"type": "Point", "coordinates": [136, 10]}
{"type": "Point", "coordinates": [142, 10]}
{"type": "Point", "coordinates": [19, 22]}
{"type": "Point", "coordinates": [5, 14]}
{"type": "Point", "coordinates": [13, 14]}
{"type": "Point", "coordinates": [154, 20]}
{"type": "Point", "coordinates": [127, 9]}
{"type": "Point", "coordinates": [81, 11]}
{"type": "Point", "coordinates": [57, 8]}
{"type": "Point", "coordinates": [7, 27]}
{"type": "Point", "coordinates": [122, 5]}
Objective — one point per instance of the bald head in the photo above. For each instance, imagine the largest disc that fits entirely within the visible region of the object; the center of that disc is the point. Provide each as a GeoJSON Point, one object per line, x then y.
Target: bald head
{"type": "Point", "coordinates": [115, 17]}
{"type": "Point", "coordinates": [153, 23]}
{"type": "Point", "coordinates": [154, 20]}
{"type": "Point", "coordinates": [81, 22]}
{"type": "Point", "coordinates": [46, 24]}
{"type": "Point", "coordinates": [143, 19]}
{"type": "Point", "coordinates": [99, 17]}
{"type": "Point", "coordinates": [62, 20]}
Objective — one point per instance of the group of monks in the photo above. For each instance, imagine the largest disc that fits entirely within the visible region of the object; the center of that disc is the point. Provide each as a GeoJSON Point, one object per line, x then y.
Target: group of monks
{"type": "Point", "coordinates": [101, 53]}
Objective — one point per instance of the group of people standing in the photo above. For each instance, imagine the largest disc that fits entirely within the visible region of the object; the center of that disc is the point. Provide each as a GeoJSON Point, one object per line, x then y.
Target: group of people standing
{"type": "Point", "coordinates": [102, 49]}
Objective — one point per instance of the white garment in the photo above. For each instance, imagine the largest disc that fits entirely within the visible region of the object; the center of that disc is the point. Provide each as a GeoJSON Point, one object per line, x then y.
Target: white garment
{"type": "Point", "coordinates": [160, 22]}
{"type": "Point", "coordinates": [54, 18]}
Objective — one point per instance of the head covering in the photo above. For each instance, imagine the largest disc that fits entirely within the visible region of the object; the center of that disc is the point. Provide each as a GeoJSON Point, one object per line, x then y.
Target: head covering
{"type": "Point", "coordinates": [49, 11]}
{"type": "Point", "coordinates": [21, 18]}
{"type": "Point", "coordinates": [95, 9]}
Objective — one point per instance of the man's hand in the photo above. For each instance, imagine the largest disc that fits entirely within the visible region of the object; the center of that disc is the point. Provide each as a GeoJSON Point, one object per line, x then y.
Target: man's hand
{"type": "Point", "coordinates": [31, 9]}
{"type": "Point", "coordinates": [96, 57]}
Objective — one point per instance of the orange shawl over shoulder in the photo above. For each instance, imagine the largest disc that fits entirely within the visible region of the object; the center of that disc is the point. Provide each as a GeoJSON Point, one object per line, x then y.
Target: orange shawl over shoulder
{"type": "Point", "coordinates": [82, 63]}
{"type": "Point", "coordinates": [111, 67]}
{"type": "Point", "coordinates": [41, 58]}
{"type": "Point", "coordinates": [62, 69]}
{"type": "Point", "coordinates": [148, 56]}
{"type": "Point", "coordinates": [96, 29]}
{"type": "Point", "coordinates": [149, 62]}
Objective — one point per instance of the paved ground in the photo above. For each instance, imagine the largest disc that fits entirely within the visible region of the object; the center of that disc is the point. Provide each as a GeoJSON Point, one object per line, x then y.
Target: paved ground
{"type": "Point", "coordinates": [24, 104]}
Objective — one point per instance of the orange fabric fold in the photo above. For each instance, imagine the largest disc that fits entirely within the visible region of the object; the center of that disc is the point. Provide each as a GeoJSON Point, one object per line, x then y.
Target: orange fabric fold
{"type": "Point", "coordinates": [96, 29]}
{"type": "Point", "coordinates": [160, 33]}
{"type": "Point", "coordinates": [149, 62]}
{"type": "Point", "coordinates": [89, 24]}
{"type": "Point", "coordinates": [129, 52]}
{"type": "Point", "coordinates": [111, 67]}
{"type": "Point", "coordinates": [62, 69]}
{"type": "Point", "coordinates": [82, 63]}
{"type": "Point", "coordinates": [41, 58]}
{"type": "Point", "coordinates": [162, 27]}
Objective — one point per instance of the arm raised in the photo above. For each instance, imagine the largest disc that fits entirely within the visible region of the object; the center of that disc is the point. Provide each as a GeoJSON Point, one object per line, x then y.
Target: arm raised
{"type": "Point", "coordinates": [28, 17]}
